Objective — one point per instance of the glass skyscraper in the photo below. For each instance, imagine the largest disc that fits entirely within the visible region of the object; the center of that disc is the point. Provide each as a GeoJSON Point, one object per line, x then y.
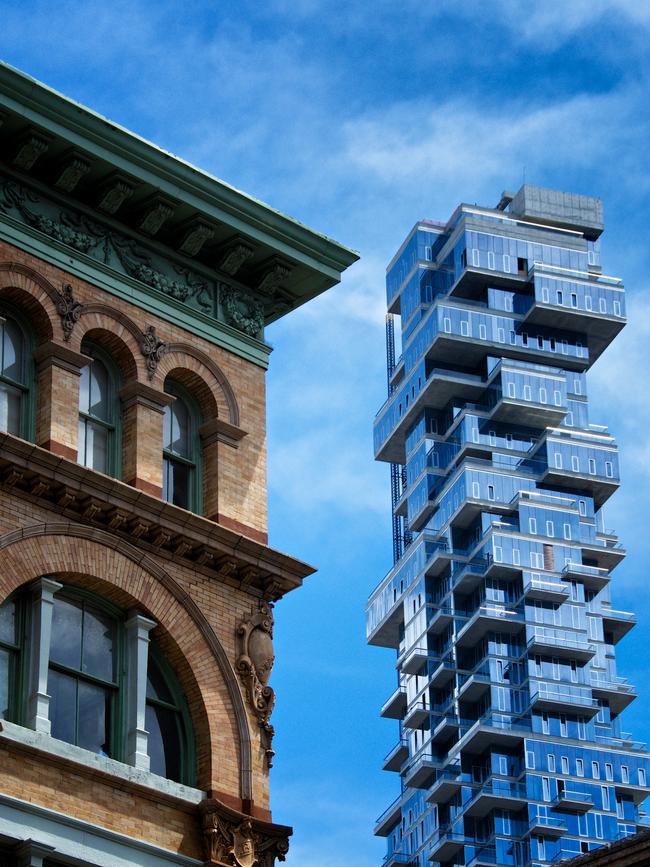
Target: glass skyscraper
{"type": "Point", "coordinates": [510, 747]}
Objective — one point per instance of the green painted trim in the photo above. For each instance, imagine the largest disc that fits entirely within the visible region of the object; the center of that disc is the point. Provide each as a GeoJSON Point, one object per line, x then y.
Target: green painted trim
{"type": "Point", "coordinates": [141, 159]}
{"type": "Point", "coordinates": [147, 298]}
{"type": "Point", "coordinates": [28, 404]}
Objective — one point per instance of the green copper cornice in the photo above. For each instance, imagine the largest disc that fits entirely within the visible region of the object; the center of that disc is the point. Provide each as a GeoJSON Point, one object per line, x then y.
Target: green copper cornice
{"type": "Point", "coordinates": [311, 262]}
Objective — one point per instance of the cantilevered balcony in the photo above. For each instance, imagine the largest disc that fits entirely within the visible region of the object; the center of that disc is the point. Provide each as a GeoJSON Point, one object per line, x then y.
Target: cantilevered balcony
{"type": "Point", "coordinates": [593, 577]}
{"type": "Point", "coordinates": [445, 729]}
{"type": "Point", "coordinates": [446, 784]}
{"type": "Point", "coordinates": [442, 674]}
{"type": "Point", "coordinates": [616, 691]}
{"type": "Point", "coordinates": [496, 794]}
{"type": "Point", "coordinates": [418, 712]}
{"type": "Point", "coordinates": [572, 801]}
{"type": "Point", "coordinates": [395, 706]}
{"type": "Point", "coordinates": [564, 643]}
{"type": "Point", "coordinates": [487, 618]}
{"type": "Point", "coordinates": [400, 859]}
{"type": "Point", "coordinates": [394, 759]}
{"type": "Point", "coordinates": [474, 684]}
{"type": "Point", "coordinates": [547, 589]}
{"type": "Point", "coordinates": [421, 770]}
{"type": "Point", "coordinates": [413, 657]}
{"type": "Point", "coordinates": [617, 623]}
{"type": "Point", "coordinates": [445, 844]}
{"type": "Point", "coordinates": [491, 730]}
{"type": "Point", "coordinates": [632, 789]}
{"type": "Point", "coordinates": [598, 486]}
{"type": "Point", "coordinates": [389, 819]}
{"type": "Point", "coordinates": [546, 826]}
{"type": "Point", "coordinates": [558, 698]}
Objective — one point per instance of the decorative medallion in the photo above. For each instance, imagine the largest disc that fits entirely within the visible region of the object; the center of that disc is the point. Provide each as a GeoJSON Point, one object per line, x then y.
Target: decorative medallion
{"type": "Point", "coordinates": [254, 663]}
{"type": "Point", "coordinates": [152, 348]}
{"type": "Point", "coordinates": [69, 310]}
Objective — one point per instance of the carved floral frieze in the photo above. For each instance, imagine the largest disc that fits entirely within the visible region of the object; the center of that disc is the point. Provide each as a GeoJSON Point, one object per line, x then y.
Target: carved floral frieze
{"type": "Point", "coordinates": [215, 298]}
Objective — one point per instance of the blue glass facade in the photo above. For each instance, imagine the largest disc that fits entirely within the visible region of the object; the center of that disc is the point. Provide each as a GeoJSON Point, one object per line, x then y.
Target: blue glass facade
{"type": "Point", "coordinates": [510, 749]}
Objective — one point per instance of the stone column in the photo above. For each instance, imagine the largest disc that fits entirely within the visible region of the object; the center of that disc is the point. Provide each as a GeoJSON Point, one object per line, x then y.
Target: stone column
{"type": "Point", "coordinates": [38, 702]}
{"type": "Point", "coordinates": [138, 628]}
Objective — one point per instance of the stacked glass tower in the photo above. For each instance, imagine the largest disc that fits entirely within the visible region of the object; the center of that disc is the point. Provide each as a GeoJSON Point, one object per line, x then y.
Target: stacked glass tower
{"type": "Point", "coordinates": [510, 748]}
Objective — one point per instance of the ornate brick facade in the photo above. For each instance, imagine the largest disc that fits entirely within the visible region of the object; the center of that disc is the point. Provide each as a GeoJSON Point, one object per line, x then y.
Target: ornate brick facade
{"type": "Point", "coordinates": [205, 579]}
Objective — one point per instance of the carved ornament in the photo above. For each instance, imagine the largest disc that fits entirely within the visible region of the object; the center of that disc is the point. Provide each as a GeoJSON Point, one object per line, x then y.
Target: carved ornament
{"type": "Point", "coordinates": [69, 310]}
{"type": "Point", "coordinates": [234, 257]}
{"type": "Point", "coordinates": [254, 664]}
{"type": "Point", "coordinates": [234, 840]}
{"type": "Point", "coordinates": [241, 311]}
{"type": "Point", "coordinates": [152, 348]}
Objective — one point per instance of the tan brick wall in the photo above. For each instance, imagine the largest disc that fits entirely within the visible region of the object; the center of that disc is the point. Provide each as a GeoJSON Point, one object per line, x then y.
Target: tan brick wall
{"type": "Point", "coordinates": [234, 493]}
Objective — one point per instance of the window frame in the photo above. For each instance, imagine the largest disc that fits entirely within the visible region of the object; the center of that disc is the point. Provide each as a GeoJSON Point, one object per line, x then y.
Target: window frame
{"type": "Point", "coordinates": [28, 387]}
{"type": "Point", "coordinates": [114, 427]}
{"type": "Point", "coordinates": [195, 465]}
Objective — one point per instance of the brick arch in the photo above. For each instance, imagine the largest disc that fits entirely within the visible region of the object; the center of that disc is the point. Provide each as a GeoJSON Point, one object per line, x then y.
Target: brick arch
{"type": "Point", "coordinates": [116, 333]}
{"type": "Point", "coordinates": [33, 294]}
{"type": "Point", "coordinates": [78, 553]}
{"type": "Point", "coordinates": [198, 365]}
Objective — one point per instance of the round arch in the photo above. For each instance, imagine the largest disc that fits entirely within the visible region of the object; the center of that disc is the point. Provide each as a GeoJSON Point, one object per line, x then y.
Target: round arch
{"type": "Point", "coordinates": [74, 551]}
{"type": "Point", "coordinates": [116, 333]}
{"type": "Point", "coordinates": [183, 356]}
{"type": "Point", "coordinates": [33, 294]}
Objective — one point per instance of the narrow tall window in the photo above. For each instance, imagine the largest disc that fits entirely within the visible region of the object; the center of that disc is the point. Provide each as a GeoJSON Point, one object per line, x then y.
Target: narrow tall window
{"type": "Point", "coordinates": [13, 378]}
{"type": "Point", "coordinates": [180, 451]}
{"type": "Point", "coordinates": [9, 647]}
{"type": "Point", "coordinates": [97, 418]}
{"type": "Point", "coordinates": [165, 723]}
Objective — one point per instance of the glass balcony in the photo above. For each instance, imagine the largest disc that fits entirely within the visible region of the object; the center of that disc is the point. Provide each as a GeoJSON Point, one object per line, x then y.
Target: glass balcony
{"type": "Point", "coordinates": [473, 685]}
{"type": "Point", "coordinates": [413, 659]}
{"type": "Point", "coordinates": [492, 730]}
{"type": "Point", "coordinates": [560, 642]}
{"type": "Point", "coordinates": [618, 623]}
{"type": "Point", "coordinates": [395, 706]}
{"type": "Point", "coordinates": [632, 789]}
{"type": "Point", "coordinates": [550, 697]}
{"type": "Point", "coordinates": [400, 859]}
{"type": "Point", "coordinates": [445, 730]}
{"type": "Point", "coordinates": [571, 801]}
{"type": "Point", "coordinates": [616, 691]}
{"type": "Point", "coordinates": [489, 618]}
{"type": "Point", "coordinates": [445, 785]}
{"type": "Point", "coordinates": [546, 826]}
{"type": "Point", "coordinates": [593, 577]}
{"type": "Point", "coordinates": [497, 794]}
{"type": "Point", "coordinates": [389, 819]}
{"type": "Point", "coordinates": [443, 674]}
{"type": "Point", "coordinates": [445, 844]}
{"type": "Point", "coordinates": [418, 714]}
{"type": "Point", "coordinates": [546, 589]}
{"type": "Point", "coordinates": [421, 770]}
{"type": "Point", "coordinates": [394, 760]}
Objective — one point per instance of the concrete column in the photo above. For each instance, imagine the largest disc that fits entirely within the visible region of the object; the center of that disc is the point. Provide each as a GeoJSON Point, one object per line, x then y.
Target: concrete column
{"type": "Point", "coordinates": [137, 655]}
{"type": "Point", "coordinates": [38, 702]}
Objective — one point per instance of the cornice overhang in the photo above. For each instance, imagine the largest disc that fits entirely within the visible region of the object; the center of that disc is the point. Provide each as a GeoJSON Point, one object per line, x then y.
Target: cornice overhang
{"type": "Point", "coordinates": [84, 496]}
{"type": "Point", "coordinates": [99, 165]}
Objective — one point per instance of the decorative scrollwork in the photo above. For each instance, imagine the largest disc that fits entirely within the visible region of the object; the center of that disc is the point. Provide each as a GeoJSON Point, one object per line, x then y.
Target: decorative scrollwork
{"type": "Point", "coordinates": [234, 840]}
{"type": "Point", "coordinates": [152, 348]}
{"type": "Point", "coordinates": [69, 310]}
{"type": "Point", "coordinates": [254, 664]}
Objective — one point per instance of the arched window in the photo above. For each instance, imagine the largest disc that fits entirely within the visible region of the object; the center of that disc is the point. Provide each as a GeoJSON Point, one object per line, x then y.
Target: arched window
{"type": "Point", "coordinates": [90, 662]}
{"type": "Point", "coordinates": [98, 417]}
{"type": "Point", "coordinates": [181, 450]}
{"type": "Point", "coordinates": [14, 389]}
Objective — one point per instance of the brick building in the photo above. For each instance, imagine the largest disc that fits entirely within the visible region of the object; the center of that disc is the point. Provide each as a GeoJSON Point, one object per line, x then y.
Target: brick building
{"type": "Point", "coordinates": [632, 851]}
{"type": "Point", "coordinates": [136, 580]}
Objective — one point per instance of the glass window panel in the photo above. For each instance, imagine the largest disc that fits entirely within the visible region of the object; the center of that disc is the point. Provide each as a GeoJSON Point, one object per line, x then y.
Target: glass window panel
{"type": "Point", "coordinates": [4, 684]}
{"type": "Point", "coordinates": [94, 718]}
{"type": "Point", "coordinates": [156, 684]}
{"type": "Point", "coordinates": [179, 485]}
{"type": "Point", "coordinates": [81, 443]}
{"type": "Point", "coordinates": [66, 633]}
{"type": "Point", "coordinates": [84, 389]}
{"type": "Point", "coordinates": [63, 703]}
{"type": "Point", "coordinates": [8, 622]}
{"type": "Point", "coordinates": [99, 402]}
{"type": "Point", "coordinates": [163, 742]}
{"type": "Point", "coordinates": [13, 352]}
{"type": "Point", "coordinates": [98, 645]}
{"type": "Point", "coordinates": [10, 399]}
{"type": "Point", "coordinates": [97, 447]}
{"type": "Point", "coordinates": [180, 431]}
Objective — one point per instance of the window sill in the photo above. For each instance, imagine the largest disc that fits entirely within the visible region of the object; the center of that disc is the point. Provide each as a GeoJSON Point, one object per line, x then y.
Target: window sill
{"type": "Point", "coordinates": [109, 770]}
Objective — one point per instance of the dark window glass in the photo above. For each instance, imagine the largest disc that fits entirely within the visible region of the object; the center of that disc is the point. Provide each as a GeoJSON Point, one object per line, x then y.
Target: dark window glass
{"type": "Point", "coordinates": [179, 453]}
{"type": "Point", "coordinates": [96, 417]}
{"type": "Point", "coordinates": [82, 678]}
{"type": "Point", "coordinates": [8, 622]}
{"type": "Point", "coordinates": [4, 683]}
{"type": "Point", "coordinates": [12, 376]}
{"type": "Point", "coordinates": [167, 739]}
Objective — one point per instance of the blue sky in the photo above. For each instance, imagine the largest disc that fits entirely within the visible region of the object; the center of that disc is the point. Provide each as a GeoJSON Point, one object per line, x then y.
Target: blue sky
{"type": "Point", "coordinates": [359, 119]}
